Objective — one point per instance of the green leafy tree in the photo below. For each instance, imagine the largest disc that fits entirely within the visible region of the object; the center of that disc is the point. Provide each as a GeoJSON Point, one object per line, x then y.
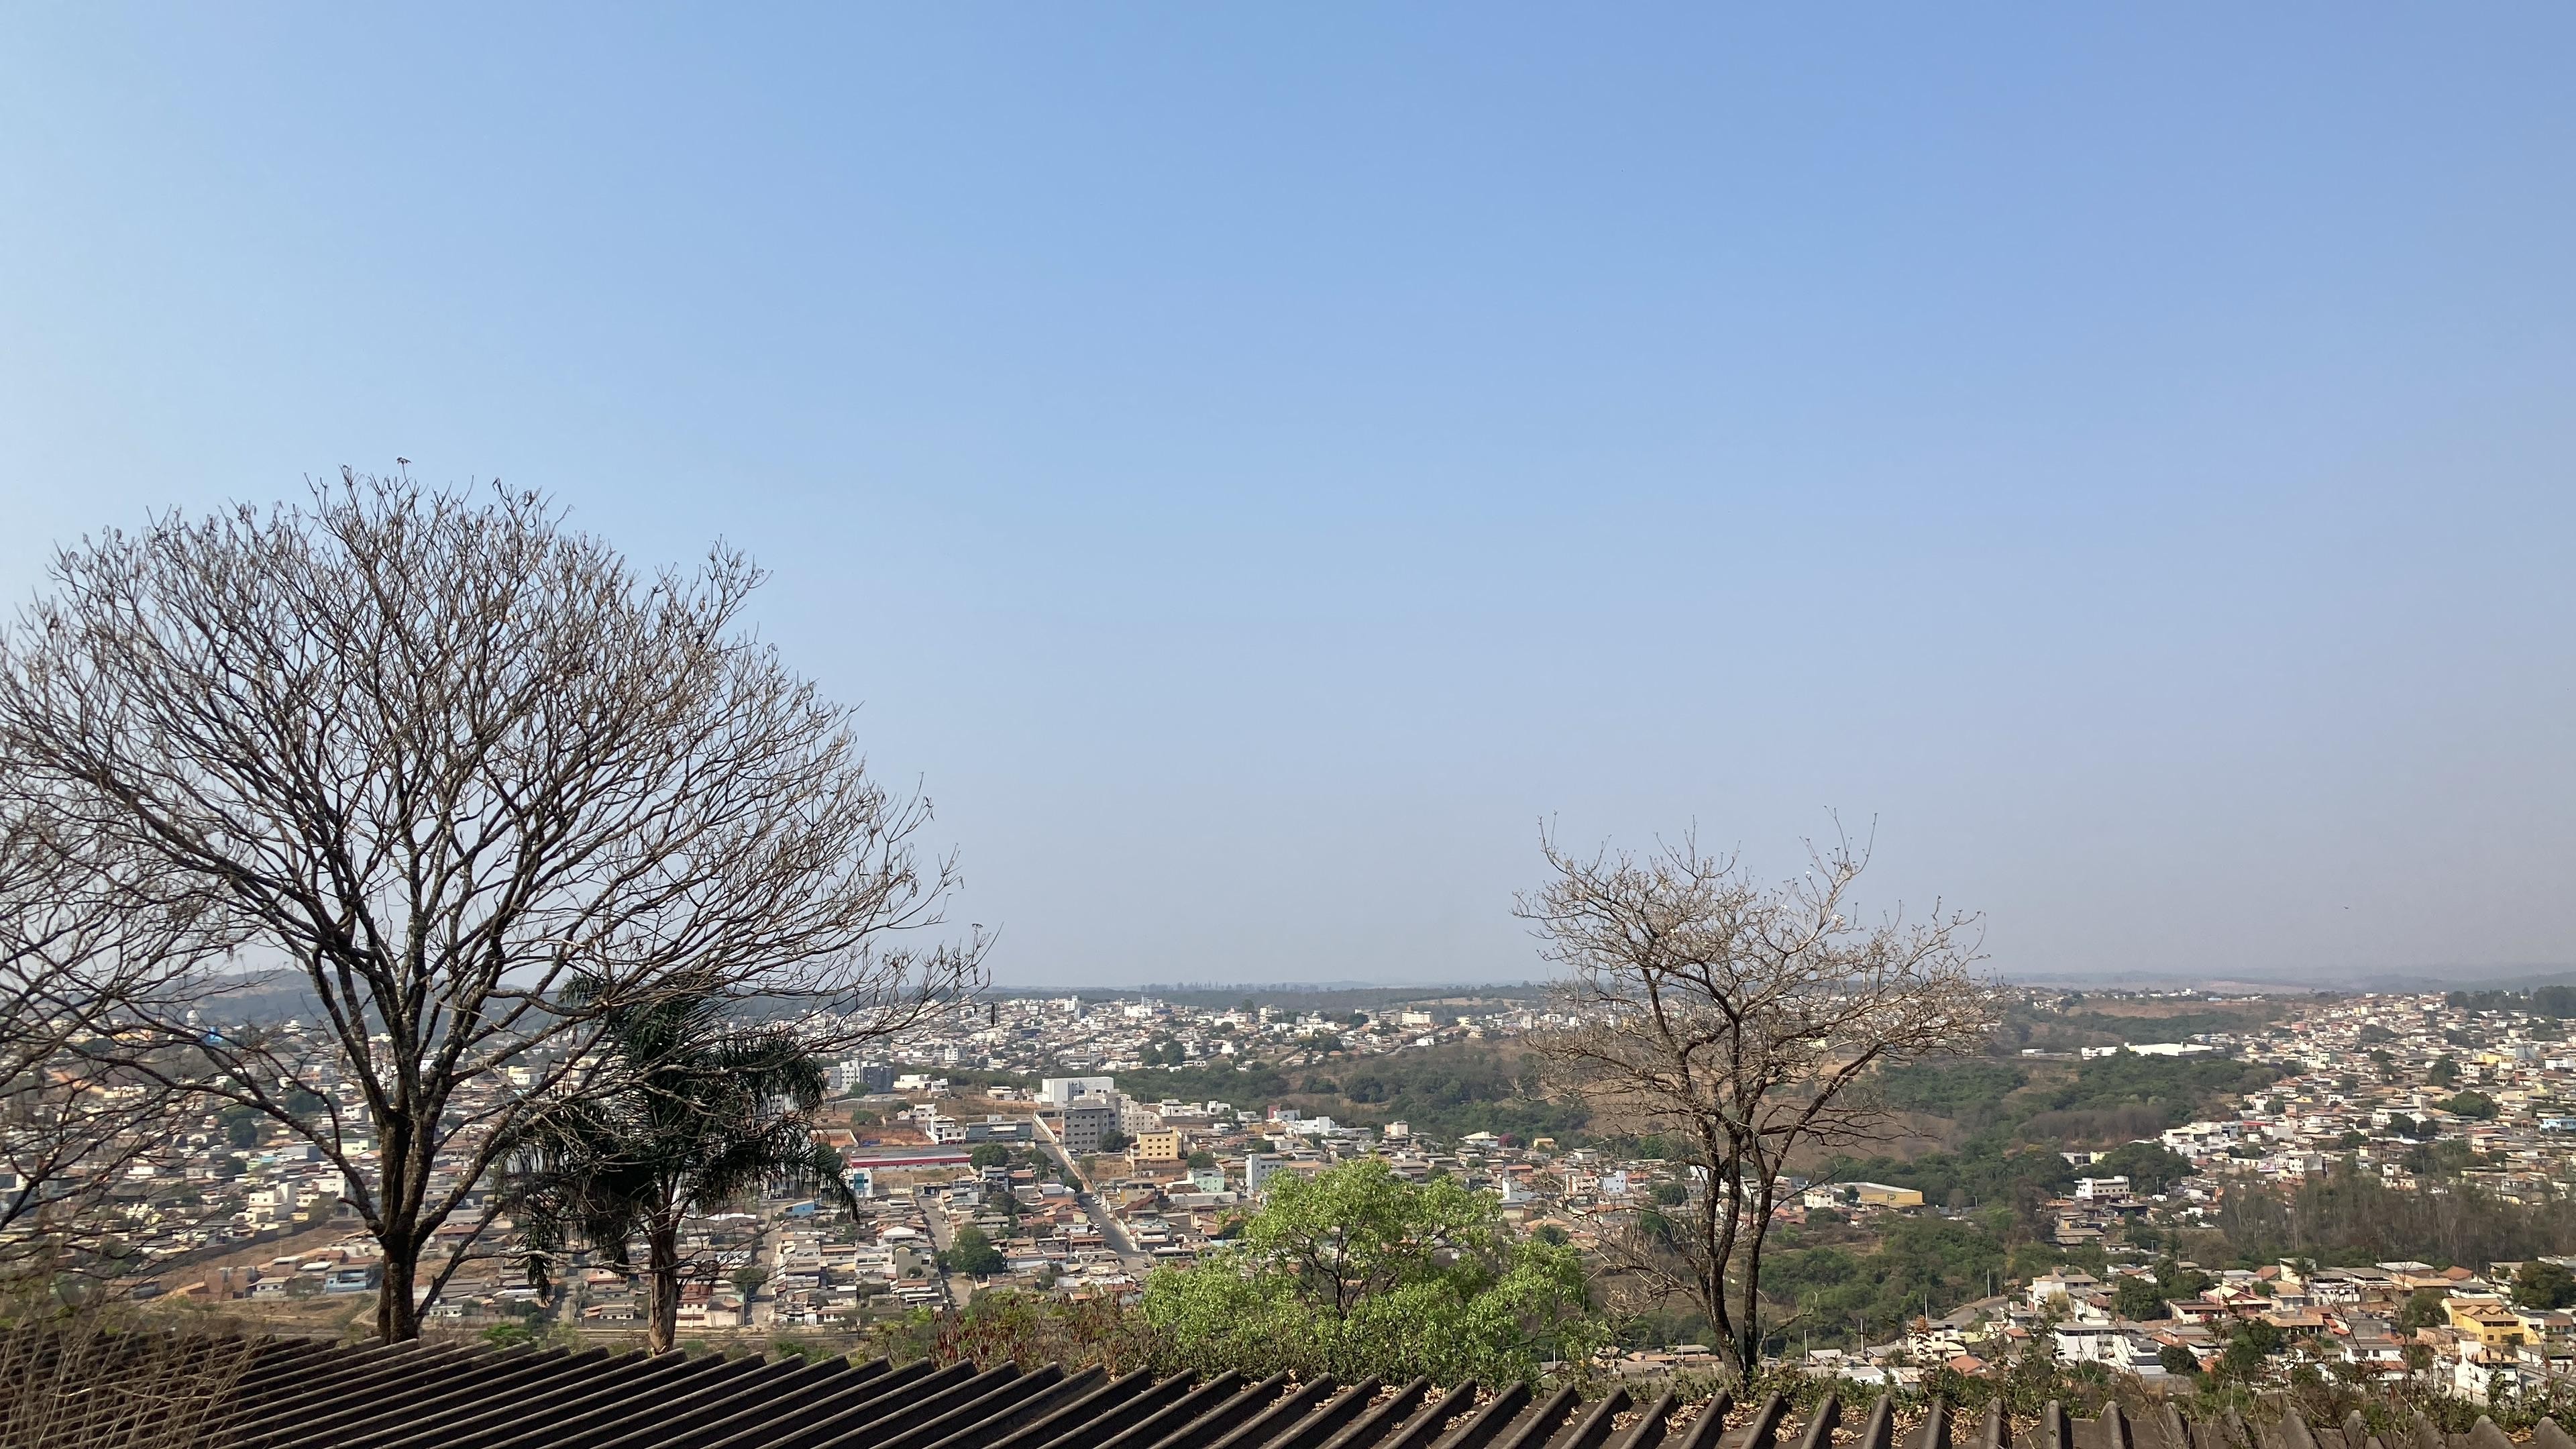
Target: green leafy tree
{"type": "Point", "coordinates": [989, 1154]}
{"type": "Point", "coordinates": [1357, 1271]}
{"type": "Point", "coordinates": [2477, 1105]}
{"type": "Point", "coordinates": [2150, 1167]}
{"type": "Point", "coordinates": [712, 1111]}
{"type": "Point", "coordinates": [2423, 1310]}
{"type": "Point", "coordinates": [242, 1127]}
{"type": "Point", "coordinates": [2543, 1284]}
{"type": "Point", "coordinates": [2140, 1298]}
{"type": "Point", "coordinates": [1202, 1161]}
{"type": "Point", "coordinates": [972, 1251]}
{"type": "Point", "coordinates": [2178, 1360]}
{"type": "Point", "coordinates": [2443, 1073]}
{"type": "Point", "coordinates": [2249, 1351]}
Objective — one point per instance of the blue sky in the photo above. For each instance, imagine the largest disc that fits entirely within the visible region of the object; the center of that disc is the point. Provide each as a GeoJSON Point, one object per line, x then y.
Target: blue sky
{"type": "Point", "coordinates": [1254, 464]}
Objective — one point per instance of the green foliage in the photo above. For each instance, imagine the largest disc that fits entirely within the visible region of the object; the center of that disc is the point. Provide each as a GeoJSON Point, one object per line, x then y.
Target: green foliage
{"type": "Point", "coordinates": [1987, 1170]}
{"type": "Point", "coordinates": [1951, 1089]}
{"type": "Point", "coordinates": [2142, 1299]}
{"type": "Point", "coordinates": [1448, 1092]}
{"type": "Point", "coordinates": [2440, 1159]}
{"type": "Point", "coordinates": [712, 1109]}
{"type": "Point", "coordinates": [2150, 1167]}
{"type": "Point", "coordinates": [989, 1154]}
{"type": "Point", "coordinates": [2443, 1073]}
{"type": "Point", "coordinates": [2476, 1105]}
{"type": "Point", "coordinates": [1357, 1271]}
{"type": "Point", "coordinates": [2423, 1309]}
{"type": "Point", "coordinates": [1201, 1161]}
{"type": "Point", "coordinates": [2544, 1285]}
{"type": "Point", "coordinates": [2351, 1218]}
{"type": "Point", "coordinates": [2168, 1090]}
{"type": "Point", "coordinates": [972, 1251]}
{"type": "Point", "coordinates": [242, 1126]}
{"type": "Point", "coordinates": [2178, 1360]}
{"type": "Point", "coordinates": [1944, 1260]}
{"type": "Point", "coordinates": [2556, 1003]}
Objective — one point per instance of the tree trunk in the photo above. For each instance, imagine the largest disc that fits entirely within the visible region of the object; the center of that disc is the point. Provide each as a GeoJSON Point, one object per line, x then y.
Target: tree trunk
{"type": "Point", "coordinates": [662, 1288]}
{"type": "Point", "coordinates": [397, 1313]}
{"type": "Point", "coordinates": [1757, 1227]}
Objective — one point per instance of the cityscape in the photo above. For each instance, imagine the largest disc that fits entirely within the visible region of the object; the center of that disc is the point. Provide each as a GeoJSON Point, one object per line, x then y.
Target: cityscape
{"type": "Point", "coordinates": [979, 1170]}
{"type": "Point", "coordinates": [1287, 727]}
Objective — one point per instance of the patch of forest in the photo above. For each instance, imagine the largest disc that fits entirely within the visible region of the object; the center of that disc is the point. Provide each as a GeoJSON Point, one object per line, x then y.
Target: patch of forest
{"type": "Point", "coordinates": [1444, 1091]}
{"type": "Point", "coordinates": [2082, 1021]}
{"type": "Point", "coordinates": [2012, 1121]}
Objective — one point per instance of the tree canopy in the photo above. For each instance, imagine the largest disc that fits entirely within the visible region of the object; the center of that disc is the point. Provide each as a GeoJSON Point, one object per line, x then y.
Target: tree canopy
{"type": "Point", "coordinates": [1357, 1271]}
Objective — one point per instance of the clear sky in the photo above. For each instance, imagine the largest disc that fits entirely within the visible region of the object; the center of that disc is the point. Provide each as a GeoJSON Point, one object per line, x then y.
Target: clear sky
{"type": "Point", "coordinates": [1255, 463]}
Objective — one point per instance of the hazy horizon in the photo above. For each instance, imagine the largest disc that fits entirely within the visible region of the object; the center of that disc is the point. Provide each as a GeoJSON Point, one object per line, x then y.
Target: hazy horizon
{"type": "Point", "coordinates": [1256, 468]}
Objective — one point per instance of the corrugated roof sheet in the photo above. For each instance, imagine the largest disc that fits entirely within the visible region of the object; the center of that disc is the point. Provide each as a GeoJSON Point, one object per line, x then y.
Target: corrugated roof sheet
{"type": "Point", "coordinates": [298, 1394]}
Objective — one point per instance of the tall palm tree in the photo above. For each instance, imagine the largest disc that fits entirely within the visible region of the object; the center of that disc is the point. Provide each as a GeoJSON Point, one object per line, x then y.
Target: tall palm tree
{"type": "Point", "coordinates": [709, 1111]}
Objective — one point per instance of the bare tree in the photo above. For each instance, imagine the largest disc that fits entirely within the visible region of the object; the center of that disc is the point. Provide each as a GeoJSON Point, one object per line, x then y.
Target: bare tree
{"type": "Point", "coordinates": [86, 943]}
{"type": "Point", "coordinates": [1745, 1023]}
{"type": "Point", "coordinates": [440, 756]}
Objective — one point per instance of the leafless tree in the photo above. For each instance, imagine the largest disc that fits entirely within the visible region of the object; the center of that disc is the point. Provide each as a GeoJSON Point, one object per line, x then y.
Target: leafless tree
{"type": "Point", "coordinates": [1745, 1023]}
{"type": "Point", "coordinates": [87, 943]}
{"type": "Point", "coordinates": [110, 1380]}
{"type": "Point", "coordinates": [440, 755]}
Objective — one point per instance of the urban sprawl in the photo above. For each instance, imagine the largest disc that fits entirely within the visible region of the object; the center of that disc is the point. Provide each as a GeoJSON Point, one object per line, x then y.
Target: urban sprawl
{"type": "Point", "coordinates": [1036, 1145]}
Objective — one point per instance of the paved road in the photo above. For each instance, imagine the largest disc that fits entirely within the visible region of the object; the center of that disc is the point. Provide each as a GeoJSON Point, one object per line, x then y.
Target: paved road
{"type": "Point", "coordinates": [961, 1286]}
{"type": "Point", "coordinates": [1111, 1232]}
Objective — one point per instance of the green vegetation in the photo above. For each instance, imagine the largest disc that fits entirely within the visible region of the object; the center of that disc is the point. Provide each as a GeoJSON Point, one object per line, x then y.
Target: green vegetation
{"type": "Point", "coordinates": [2079, 1022]}
{"type": "Point", "coordinates": [2128, 1095]}
{"type": "Point", "coordinates": [2545, 1285]}
{"type": "Point", "coordinates": [2017, 1125]}
{"type": "Point", "coordinates": [1940, 1261]}
{"type": "Point", "coordinates": [2149, 1167]}
{"type": "Point", "coordinates": [1987, 1170]}
{"type": "Point", "coordinates": [2347, 1218]}
{"type": "Point", "coordinates": [242, 1126]}
{"type": "Point", "coordinates": [2142, 1299]}
{"type": "Point", "coordinates": [1966, 1091]}
{"type": "Point", "coordinates": [1357, 1271]}
{"type": "Point", "coordinates": [2477, 1105]}
{"type": "Point", "coordinates": [2558, 1003]}
{"type": "Point", "coordinates": [972, 1251]}
{"type": "Point", "coordinates": [1447, 1091]}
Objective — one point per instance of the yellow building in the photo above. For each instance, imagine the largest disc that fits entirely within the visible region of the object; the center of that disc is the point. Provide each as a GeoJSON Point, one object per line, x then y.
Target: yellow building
{"type": "Point", "coordinates": [1879, 1194]}
{"type": "Point", "coordinates": [2490, 1322]}
{"type": "Point", "coordinates": [1162, 1146]}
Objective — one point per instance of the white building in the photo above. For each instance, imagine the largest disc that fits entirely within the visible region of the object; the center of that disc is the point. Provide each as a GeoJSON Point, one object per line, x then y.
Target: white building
{"type": "Point", "coordinates": [1258, 1169]}
{"type": "Point", "coordinates": [1061, 1091]}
